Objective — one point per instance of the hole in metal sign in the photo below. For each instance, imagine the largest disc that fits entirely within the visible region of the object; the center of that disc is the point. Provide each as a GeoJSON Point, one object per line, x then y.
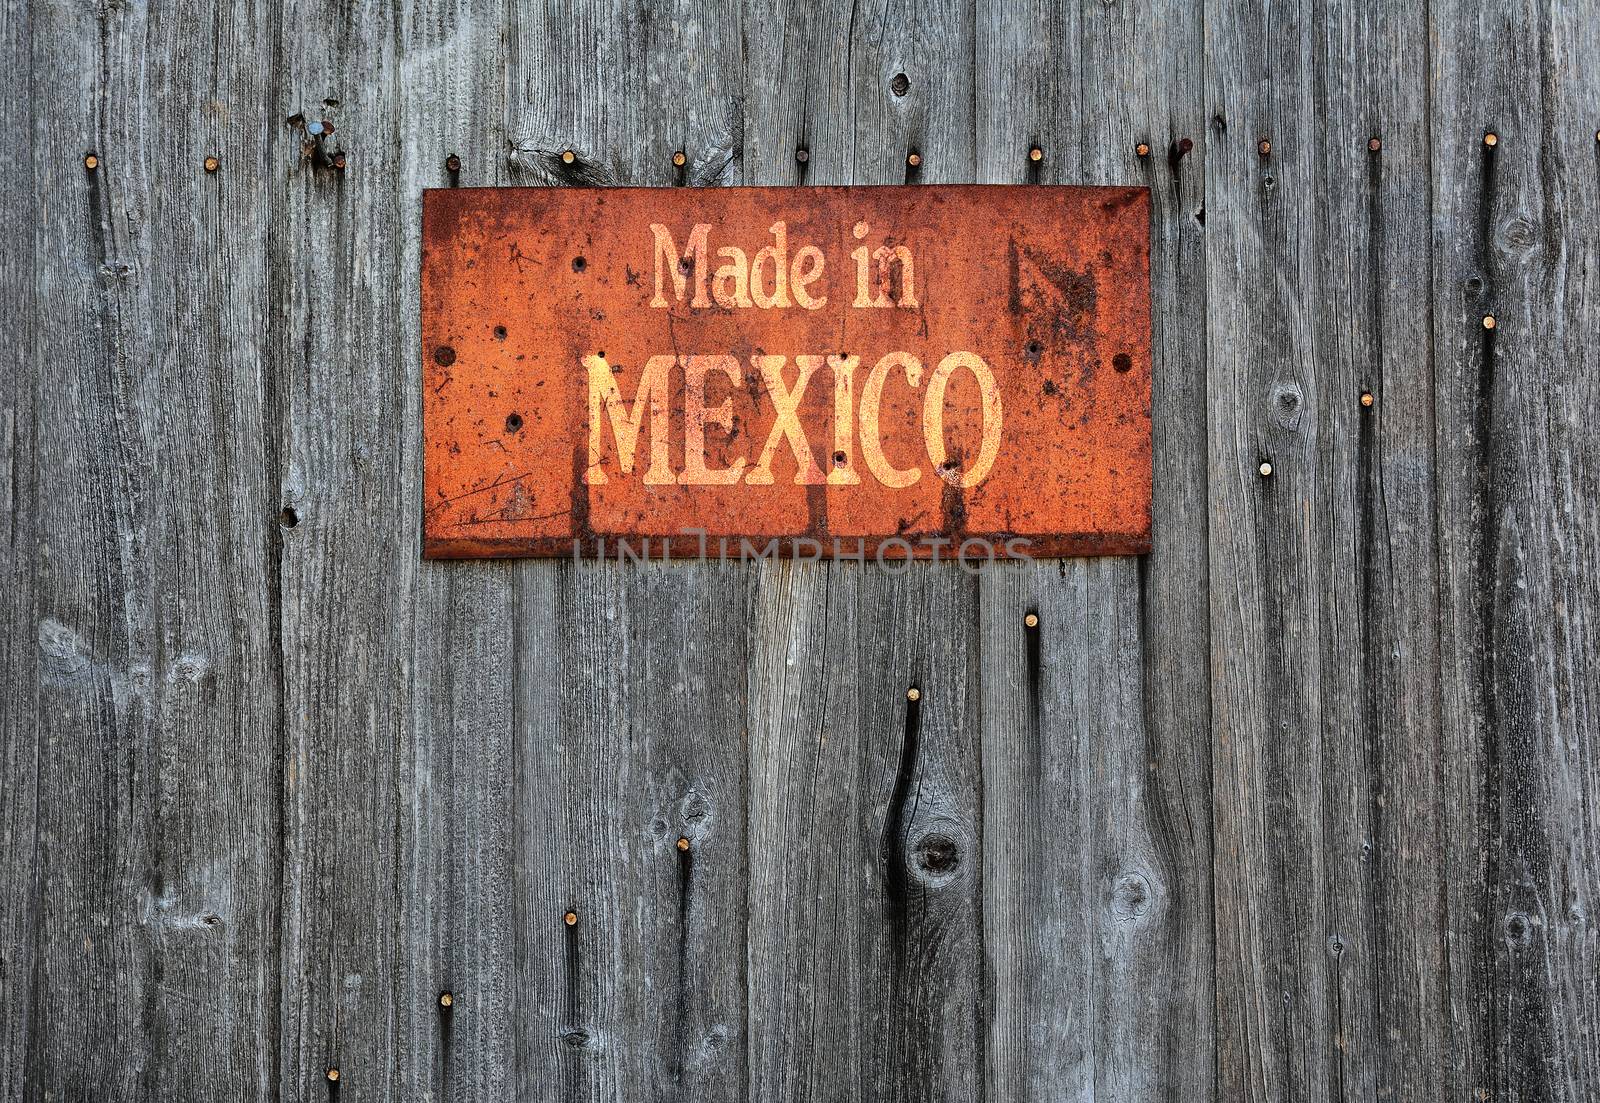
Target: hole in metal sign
{"type": "Point", "coordinates": [500, 333]}
{"type": "Point", "coordinates": [513, 422]}
{"type": "Point", "coordinates": [579, 264]}
{"type": "Point", "coordinates": [839, 459]}
{"type": "Point", "coordinates": [1122, 362]}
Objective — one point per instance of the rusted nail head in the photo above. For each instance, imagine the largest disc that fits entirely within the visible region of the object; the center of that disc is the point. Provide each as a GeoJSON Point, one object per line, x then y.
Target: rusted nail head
{"type": "Point", "coordinates": [913, 159]}
{"type": "Point", "coordinates": [567, 157]}
{"type": "Point", "coordinates": [446, 999]}
{"type": "Point", "coordinates": [679, 158]}
{"type": "Point", "coordinates": [802, 154]}
{"type": "Point", "coordinates": [913, 694]}
{"type": "Point", "coordinates": [1366, 398]}
{"type": "Point", "coordinates": [570, 919]}
{"type": "Point", "coordinates": [1142, 149]}
{"type": "Point", "coordinates": [212, 164]}
{"type": "Point", "coordinates": [1488, 321]}
{"type": "Point", "coordinates": [1266, 470]}
{"type": "Point", "coordinates": [338, 161]}
{"type": "Point", "coordinates": [333, 1075]}
{"type": "Point", "coordinates": [1491, 139]}
{"type": "Point", "coordinates": [1374, 143]}
{"type": "Point", "coordinates": [452, 163]}
{"type": "Point", "coordinates": [1031, 620]}
{"type": "Point", "coordinates": [1035, 154]}
{"type": "Point", "coordinates": [1185, 145]}
{"type": "Point", "coordinates": [90, 162]}
{"type": "Point", "coordinates": [1264, 147]}
{"type": "Point", "coordinates": [683, 842]}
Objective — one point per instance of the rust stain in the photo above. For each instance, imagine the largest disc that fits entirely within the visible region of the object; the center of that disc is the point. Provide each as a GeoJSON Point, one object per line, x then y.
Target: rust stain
{"type": "Point", "coordinates": [816, 371]}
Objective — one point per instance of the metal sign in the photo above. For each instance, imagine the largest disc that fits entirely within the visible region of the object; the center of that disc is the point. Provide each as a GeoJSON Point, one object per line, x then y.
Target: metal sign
{"type": "Point", "coordinates": [895, 371]}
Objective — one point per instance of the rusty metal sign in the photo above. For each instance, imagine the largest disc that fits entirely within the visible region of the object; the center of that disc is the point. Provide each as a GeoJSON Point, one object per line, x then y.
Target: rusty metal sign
{"type": "Point", "coordinates": [888, 371]}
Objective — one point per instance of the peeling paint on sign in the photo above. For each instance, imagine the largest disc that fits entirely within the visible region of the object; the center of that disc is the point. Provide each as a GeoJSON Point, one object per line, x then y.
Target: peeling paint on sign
{"type": "Point", "coordinates": [805, 371]}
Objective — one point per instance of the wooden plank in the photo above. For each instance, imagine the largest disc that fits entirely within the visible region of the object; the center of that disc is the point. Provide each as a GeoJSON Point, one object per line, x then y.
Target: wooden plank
{"type": "Point", "coordinates": [1275, 1011]}
{"type": "Point", "coordinates": [1326, 786]}
{"type": "Point", "coordinates": [459, 848]}
{"type": "Point", "coordinates": [1096, 778]}
{"type": "Point", "coordinates": [865, 856]}
{"type": "Point", "coordinates": [1517, 472]}
{"type": "Point", "coordinates": [350, 559]}
{"type": "Point", "coordinates": [19, 656]}
{"type": "Point", "coordinates": [630, 694]}
{"type": "Point", "coordinates": [1382, 932]}
{"type": "Point", "coordinates": [153, 699]}
{"type": "Point", "coordinates": [1096, 740]}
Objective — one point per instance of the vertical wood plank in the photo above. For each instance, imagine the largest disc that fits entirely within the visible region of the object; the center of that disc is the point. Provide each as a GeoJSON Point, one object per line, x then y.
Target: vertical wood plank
{"type": "Point", "coordinates": [350, 560]}
{"type": "Point", "coordinates": [1382, 931]}
{"type": "Point", "coordinates": [1096, 736]}
{"type": "Point", "coordinates": [1517, 539]}
{"type": "Point", "coordinates": [639, 686]}
{"type": "Point", "coordinates": [1274, 1010]}
{"type": "Point", "coordinates": [865, 942]}
{"type": "Point", "coordinates": [459, 849]}
{"type": "Point", "coordinates": [153, 676]}
{"type": "Point", "coordinates": [1326, 787]}
{"type": "Point", "coordinates": [19, 511]}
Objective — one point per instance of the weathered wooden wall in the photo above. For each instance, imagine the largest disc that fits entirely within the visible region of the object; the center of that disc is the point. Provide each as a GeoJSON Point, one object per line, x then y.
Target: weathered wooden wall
{"type": "Point", "coordinates": [1304, 805]}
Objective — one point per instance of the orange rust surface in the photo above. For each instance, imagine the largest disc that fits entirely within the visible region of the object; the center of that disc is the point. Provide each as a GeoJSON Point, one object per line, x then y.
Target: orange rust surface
{"type": "Point", "coordinates": [1049, 286]}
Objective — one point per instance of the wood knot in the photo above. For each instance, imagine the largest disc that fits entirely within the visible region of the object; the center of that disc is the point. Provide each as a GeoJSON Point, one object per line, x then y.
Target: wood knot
{"type": "Point", "coordinates": [1287, 400]}
{"type": "Point", "coordinates": [1519, 929]}
{"type": "Point", "coordinates": [936, 856]}
{"type": "Point", "coordinates": [1131, 897]}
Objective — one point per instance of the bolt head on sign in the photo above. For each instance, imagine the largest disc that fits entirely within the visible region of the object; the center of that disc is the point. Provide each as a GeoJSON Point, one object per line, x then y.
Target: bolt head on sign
{"type": "Point", "coordinates": [890, 371]}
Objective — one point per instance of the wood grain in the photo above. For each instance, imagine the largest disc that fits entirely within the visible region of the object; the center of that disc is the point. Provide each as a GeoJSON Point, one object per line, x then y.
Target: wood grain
{"type": "Point", "coordinates": [1096, 764]}
{"type": "Point", "coordinates": [1300, 805]}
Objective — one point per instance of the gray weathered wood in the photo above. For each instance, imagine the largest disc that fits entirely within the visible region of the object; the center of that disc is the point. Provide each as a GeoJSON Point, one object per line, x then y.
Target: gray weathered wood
{"type": "Point", "coordinates": [1517, 462]}
{"type": "Point", "coordinates": [1303, 805]}
{"type": "Point", "coordinates": [1327, 800]}
{"type": "Point", "coordinates": [148, 703]}
{"type": "Point", "coordinates": [1096, 781]}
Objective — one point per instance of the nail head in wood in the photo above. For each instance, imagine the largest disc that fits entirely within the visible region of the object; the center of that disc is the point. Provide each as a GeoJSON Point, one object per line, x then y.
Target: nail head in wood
{"type": "Point", "coordinates": [212, 164]}
{"type": "Point", "coordinates": [1142, 149]}
{"type": "Point", "coordinates": [1489, 322]}
{"type": "Point", "coordinates": [568, 157]}
{"type": "Point", "coordinates": [1031, 620]}
{"type": "Point", "coordinates": [90, 162]}
{"type": "Point", "coordinates": [913, 694]}
{"type": "Point", "coordinates": [1266, 470]}
{"type": "Point", "coordinates": [679, 158]}
{"type": "Point", "coordinates": [1035, 154]}
{"type": "Point", "coordinates": [683, 842]}
{"type": "Point", "coordinates": [570, 919]}
{"type": "Point", "coordinates": [333, 1076]}
{"type": "Point", "coordinates": [1374, 143]}
{"type": "Point", "coordinates": [338, 161]}
{"type": "Point", "coordinates": [913, 159]}
{"type": "Point", "coordinates": [1264, 147]}
{"type": "Point", "coordinates": [452, 163]}
{"type": "Point", "coordinates": [802, 154]}
{"type": "Point", "coordinates": [446, 999]}
{"type": "Point", "coordinates": [1366, 398]}
{"type": "Point", "coordinates": [1491, 139]}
